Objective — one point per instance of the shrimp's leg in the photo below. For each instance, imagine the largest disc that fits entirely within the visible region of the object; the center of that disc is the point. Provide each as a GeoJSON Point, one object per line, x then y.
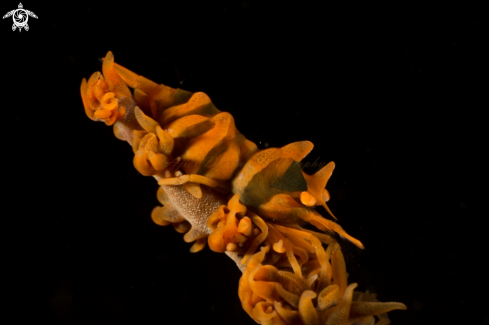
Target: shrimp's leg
{"type": "Point", "coordinates": [194, 178]}
{"type": "Point", "coordinates": [191, 183]}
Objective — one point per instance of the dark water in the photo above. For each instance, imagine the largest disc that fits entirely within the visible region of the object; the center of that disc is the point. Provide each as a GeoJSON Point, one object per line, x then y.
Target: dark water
{"type": "Point", "coordinates": [396, 100]}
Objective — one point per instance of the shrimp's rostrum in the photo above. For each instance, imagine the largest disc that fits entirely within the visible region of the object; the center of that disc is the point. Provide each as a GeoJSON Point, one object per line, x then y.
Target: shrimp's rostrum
{"type": "Point", "coordinates": [218, 188]}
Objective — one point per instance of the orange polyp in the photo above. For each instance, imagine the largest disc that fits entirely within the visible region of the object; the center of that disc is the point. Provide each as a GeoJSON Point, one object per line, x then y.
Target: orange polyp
{"type": "Point", "coordinates": [108, 101]}
{"type": "Point", "coordinates": [182, 227]}
{"type": "Point", "coordinates": [289, 316]}
{"type": "Point", "coordinates": [343, 310]}
{"type": "Point", "coordinates": [339, 270]}
{"type": "Point", "coordinates": [158, 160]}
{"type": "Point", "coordinates": [222, 166]}
{"type": "Point", "coordinates": [329, 297]}
{"type": "Point", "coordinates": [138, 136]}
{"type": "Point", "coordinates": [114, 81]}
{"type": "Point", "coordinates": [199, 104]}
{"type": "Point", "coordinates": [142, 165]}
{"type": "Point", "coordinates": [101, 96]}
{"type": "Point", "coordinates": [135, 81]}
{"type": "Point", "coordinates": [198, 245]}
{"type": "Point", "coordinates": [231, 247]}
{"type": "Point", "coordinates": [245, 226]}
{"type": "Point", "coordinates": [102, 114]}
{"type": "Point", "coordinates": [145, 121]}
{"type": "Point", "coordinates": [189, 126]}
{"type": "Point", "coordinates": [166, 141]}
{"type": "Point", "coordinates": [113, 118]}
{"type": "Point", "coordinates": [200, 146]}
{"type": "Point", "coordinates": [287, 249]}
{"type": "Point", "coordinates": [323, 238]}
{"type": "Point", "coordinates": [225, 235]}
{"type": "Point", "coordinates": [307, 311]}
{"type": "Point", "coordinates": [360, 310]}
{"type": "Point", "coordinates": [258, 239]}
{"type": "Point", "coordinates": [231, 227]}
{"type": "Point", "coordinates": [311, 279]}
{"type": "Point", "coordinates": [216, 239]}
{"type": "Point", "coordinates": [122, 111]}
{"type": "Point", "coordinates": [83, 90]}
{"type": "Point", "coordinates": [216, 217]}
{"type": "Point", "coordinates": [235, 205]}
{"type": "Point", "coordinates": [279, 246]}
{"type": "Point", "coordinates": [142, 100]}
{"type": "Point", "coordinates": [100, 88]}
{"type": "Point", "coordinates": [260, 313]}
{"type": "Point", "coordinates": [156, 219]}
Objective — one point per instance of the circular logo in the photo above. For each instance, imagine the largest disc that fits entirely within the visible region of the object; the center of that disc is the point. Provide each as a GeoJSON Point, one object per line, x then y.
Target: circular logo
{"type": "Point", "coordinates": [20, 18]}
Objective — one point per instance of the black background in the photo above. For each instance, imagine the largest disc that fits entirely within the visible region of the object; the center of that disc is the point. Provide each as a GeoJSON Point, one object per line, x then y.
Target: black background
{"type": "Point", "coordinates": [396, 96]}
